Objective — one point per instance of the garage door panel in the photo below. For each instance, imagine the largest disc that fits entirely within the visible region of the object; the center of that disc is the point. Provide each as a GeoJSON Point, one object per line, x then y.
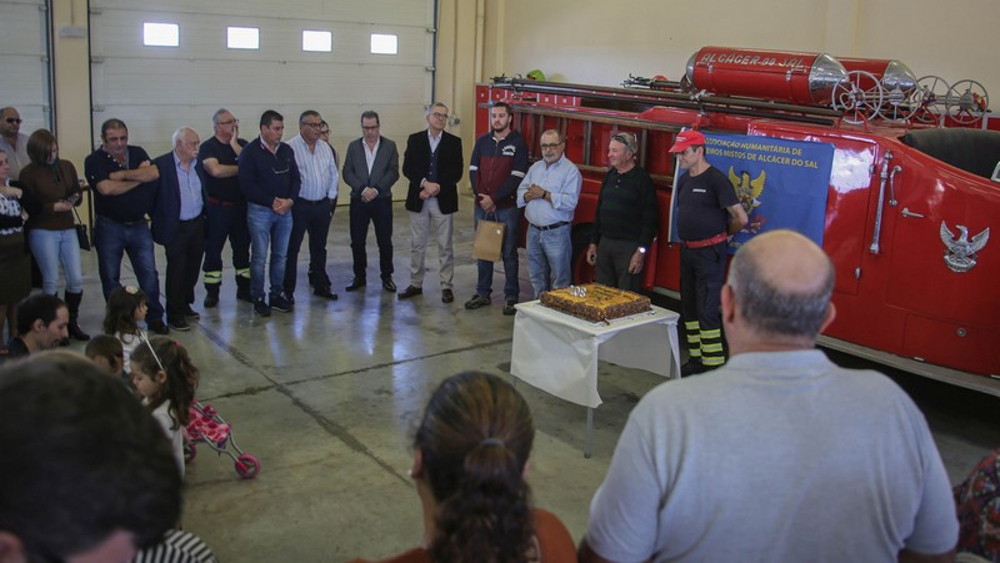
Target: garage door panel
{"type": "Point", "coordinates": [24, 64]}
{"type": "Point", "coordinates": [157, 89]}
{"type": "Point", "coordinates": [388, 11]}
{"type": "Point", "coordinates": [280, 39]}
{"type": "Point", "coordinates": [145, 82]}
{"type": "Point", "coordinates": [20, 29]}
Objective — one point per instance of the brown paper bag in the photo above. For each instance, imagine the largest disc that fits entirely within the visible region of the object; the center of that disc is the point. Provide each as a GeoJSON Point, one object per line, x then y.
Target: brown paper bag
{"type": "Point", "coordinates": [489, 240]}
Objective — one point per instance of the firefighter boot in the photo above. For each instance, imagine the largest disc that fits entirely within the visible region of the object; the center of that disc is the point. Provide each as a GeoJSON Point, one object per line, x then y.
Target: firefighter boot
{"type": "Point", "coordinates": [243, 289]}
{"type": "Point", "coordinates": [73, 304]}
{"type": "Point", "coordinates": [211, 295]}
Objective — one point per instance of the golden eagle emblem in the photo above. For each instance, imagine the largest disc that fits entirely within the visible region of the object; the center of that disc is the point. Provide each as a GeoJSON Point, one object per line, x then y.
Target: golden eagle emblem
{"type": "Point", "coordinates": [960, 252]}
{"type": "Point", "coordinates": [748, 190]}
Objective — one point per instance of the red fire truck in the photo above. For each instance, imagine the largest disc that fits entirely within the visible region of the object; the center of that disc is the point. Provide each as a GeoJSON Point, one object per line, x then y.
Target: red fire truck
{"type": "Point", "coordinates": [912, 196]}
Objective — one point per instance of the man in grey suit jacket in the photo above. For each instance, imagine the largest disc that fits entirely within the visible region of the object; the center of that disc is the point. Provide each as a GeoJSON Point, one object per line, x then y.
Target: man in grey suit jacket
{"type": "Point", "coordinates": [371, 167]}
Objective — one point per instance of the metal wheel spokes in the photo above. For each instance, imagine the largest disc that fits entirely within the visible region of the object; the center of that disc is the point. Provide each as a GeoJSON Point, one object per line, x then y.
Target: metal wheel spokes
{"type": "Point", "coordinates": [859, 97]}
{"type": "Point", "coordinates": [900, 105]}
{"type": "Point", "coordinates": [967, 101]}
{"type": "Point", "coordinates": [933, 92]}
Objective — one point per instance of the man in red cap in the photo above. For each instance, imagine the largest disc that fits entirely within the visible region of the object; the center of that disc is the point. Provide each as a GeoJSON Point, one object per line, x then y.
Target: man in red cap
{"type": "Point", "coordinates": [708, 212]}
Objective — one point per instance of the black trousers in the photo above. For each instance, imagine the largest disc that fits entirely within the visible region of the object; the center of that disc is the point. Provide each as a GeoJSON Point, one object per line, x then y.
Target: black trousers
{"type": "Point", "coordinates": [613, 258]}
{"type": "Point", "coordinates": [703, 273]}
{"type": "Point", "coordinates": [184, 256]}
{"type": "Point", "coordinates": [313, 218]}
{"type": "Point", "coordinates": [226, 220]}
{"type": "Point", "coordinates": [379, 213]}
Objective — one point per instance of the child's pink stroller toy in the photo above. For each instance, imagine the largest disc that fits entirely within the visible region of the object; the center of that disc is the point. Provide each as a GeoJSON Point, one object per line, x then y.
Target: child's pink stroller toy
{"type": "Point", "coordinates": [206, 426]}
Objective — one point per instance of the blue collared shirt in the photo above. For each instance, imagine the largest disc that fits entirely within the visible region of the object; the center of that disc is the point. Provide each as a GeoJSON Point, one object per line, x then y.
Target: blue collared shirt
{"type": "Point", "coordinates": [320, 179]}
{"type": "Point", "coordinates": [189, 185]}
{"type": "Point", "coordinates": [562, 179]}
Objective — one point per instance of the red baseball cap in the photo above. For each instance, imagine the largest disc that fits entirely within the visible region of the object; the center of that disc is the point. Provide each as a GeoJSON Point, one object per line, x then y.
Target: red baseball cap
{"type": "Point", "coordinates": [687, 139]}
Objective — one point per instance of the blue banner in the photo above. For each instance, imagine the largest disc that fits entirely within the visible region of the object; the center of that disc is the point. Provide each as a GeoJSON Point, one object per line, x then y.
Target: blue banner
{"type": "Point", "coordinates": [780, 184]}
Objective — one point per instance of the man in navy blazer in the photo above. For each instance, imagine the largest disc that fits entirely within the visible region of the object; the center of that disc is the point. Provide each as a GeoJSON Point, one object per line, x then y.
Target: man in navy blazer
{"type": "Point", "coordinates": [179, 224]}
{"type": "Point", "coordinates": [433, 165]}
{"type": "Point", "coordinates": [371, 167]}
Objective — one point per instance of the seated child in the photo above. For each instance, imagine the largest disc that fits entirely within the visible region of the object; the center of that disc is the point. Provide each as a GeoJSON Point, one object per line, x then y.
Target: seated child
{"type": "Point", "coordinates": [106, 351]}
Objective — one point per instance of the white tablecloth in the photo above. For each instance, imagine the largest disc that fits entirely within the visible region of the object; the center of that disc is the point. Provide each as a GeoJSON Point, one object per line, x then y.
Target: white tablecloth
{"type": "Point", "coordinates": [558, 353]}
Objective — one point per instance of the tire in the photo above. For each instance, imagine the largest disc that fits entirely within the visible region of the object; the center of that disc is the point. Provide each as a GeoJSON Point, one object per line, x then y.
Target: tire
{"type": "Point", "coordinates": [247, 466]}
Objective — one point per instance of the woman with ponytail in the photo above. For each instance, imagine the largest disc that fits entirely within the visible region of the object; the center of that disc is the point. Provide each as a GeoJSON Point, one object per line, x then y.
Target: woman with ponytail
{"type": "Point", "coordinates": [470, 456]}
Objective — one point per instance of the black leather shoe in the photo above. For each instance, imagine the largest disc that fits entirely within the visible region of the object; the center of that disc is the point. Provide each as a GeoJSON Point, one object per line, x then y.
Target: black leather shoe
{"type": "Point", "coordinates": [191, 313]}
{"type": "Point", "coordinates": [261, 308]}
{"type": "Point", "coordinates": [388, 285]}
{"type": "Point", "coordinates": [693, 367]}
{"type": "Point", "coordinates": [211, 296]}
{"type": "Point", "coordinates": [326, 293]}
{"type": "Point", "coordinates": [356, 284]}
{"type": "Point", "coordinates": [411, 291]}
{"type": "Point", "coordinates": [179, 324]}
{"type": "Point", "coordinates": [508, 308]}
{"type": "Point", "coordinates": [158, 327]}
{"type": "Point", "coordinates": [447, 296]}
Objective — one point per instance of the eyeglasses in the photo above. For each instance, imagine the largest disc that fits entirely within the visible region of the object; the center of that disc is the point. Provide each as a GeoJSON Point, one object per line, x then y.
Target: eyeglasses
{"type": "Point", "coordinates": [551, 145]}
{"type": "Point", "coordinates": [440, 115]}
{"type": "Point", "coordinates": [369, 127]}
{"type": "Point", "coordinates": [230, 122]}
{"type": "Point", "coordinates": [308, 124]}
{"type": "Point", "coordinates": [14, 120]}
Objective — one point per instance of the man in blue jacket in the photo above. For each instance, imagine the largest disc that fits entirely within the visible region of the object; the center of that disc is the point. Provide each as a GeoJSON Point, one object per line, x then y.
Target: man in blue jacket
{"type": "Point", "coordinates": [269, 178]}
{"type": "Point", "coordinates": [179, 224]}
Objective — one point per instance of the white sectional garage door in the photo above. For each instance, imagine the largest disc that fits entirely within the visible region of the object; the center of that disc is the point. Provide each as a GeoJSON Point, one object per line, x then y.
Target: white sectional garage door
{"type": "Point", "coordinates": [155, 90]}
{"type": "Point", "coordinates": [24, 62]}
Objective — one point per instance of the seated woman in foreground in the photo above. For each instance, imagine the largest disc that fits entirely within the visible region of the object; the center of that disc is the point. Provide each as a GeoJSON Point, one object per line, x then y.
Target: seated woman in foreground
{"type": "Point", "coordinates": [469, 460]}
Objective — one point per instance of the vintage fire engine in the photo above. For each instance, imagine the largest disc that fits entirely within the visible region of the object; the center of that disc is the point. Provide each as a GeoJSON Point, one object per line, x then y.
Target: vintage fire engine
{"type": "Point", "coordinates": [912, 195]}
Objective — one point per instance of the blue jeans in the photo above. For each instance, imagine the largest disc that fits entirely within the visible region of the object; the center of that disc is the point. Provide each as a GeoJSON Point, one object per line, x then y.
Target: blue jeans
{"type": "Point", "coordinates": [267, 228]}
{"type": "Point", "coordinates": [113, 240]}
{"type": "Point", "coordinates": [52, 248]}
{"type": "Point", "coordinates": [549, 254]}
{"type": "Point", "coordinates": [511, 216]}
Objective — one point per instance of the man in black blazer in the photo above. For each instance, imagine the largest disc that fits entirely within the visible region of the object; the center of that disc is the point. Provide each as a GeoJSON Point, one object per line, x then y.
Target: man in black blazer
{"type": "Point", "coordinates": [433, 165]}
{"type": "Point", "coordinates": [371, 167]}
{"type": "Point", "coordinates": [179, 224]}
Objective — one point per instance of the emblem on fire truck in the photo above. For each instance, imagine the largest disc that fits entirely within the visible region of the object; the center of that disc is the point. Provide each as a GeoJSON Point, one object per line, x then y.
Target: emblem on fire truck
{"type": "Point", "coordinates": [960, 252]}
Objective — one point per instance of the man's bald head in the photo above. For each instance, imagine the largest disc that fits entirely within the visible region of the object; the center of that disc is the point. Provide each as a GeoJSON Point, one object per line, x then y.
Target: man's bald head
{"type": "Point", "coordinates": [781, 284]}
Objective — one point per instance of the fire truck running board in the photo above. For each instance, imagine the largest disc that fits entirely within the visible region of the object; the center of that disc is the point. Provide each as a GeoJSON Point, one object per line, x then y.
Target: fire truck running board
{"type": "Point", "coordinates": [982, 384]}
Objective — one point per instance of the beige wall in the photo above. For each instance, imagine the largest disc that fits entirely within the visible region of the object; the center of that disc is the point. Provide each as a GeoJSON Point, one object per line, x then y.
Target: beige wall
{"type": "Point", "coordinates": [71, 84]}
{"type": "Point", "coordinates": [603, 43]}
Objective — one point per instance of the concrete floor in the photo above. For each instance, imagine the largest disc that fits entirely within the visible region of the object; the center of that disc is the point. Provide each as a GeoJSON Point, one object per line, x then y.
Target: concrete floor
{"type": "Point", "coordinates": [328, 397]}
